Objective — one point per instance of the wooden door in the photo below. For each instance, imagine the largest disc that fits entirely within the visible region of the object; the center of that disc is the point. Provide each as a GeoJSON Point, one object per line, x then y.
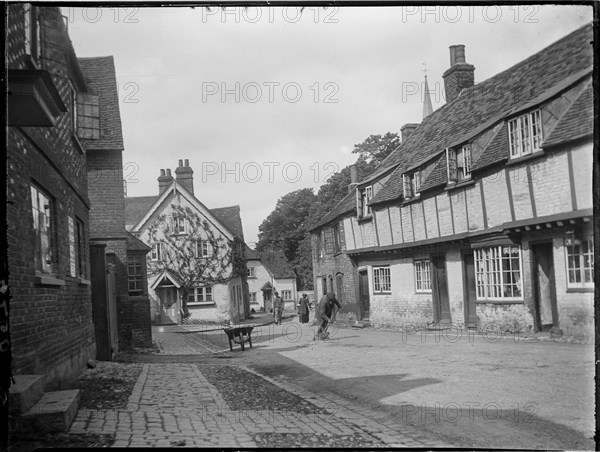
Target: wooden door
{"type": "Point", "coordinates": [167, 297]}
{"type": "Point", "coordinates": [363, 291]}
{"type": "Point", "coordinates": [439, 289]}
{"type": "Point", "coordinates": [470, 291]}
{"type": "Point", "coordinates": [99, 301]}
{"type": "Point", "coordinates": [545, 292]}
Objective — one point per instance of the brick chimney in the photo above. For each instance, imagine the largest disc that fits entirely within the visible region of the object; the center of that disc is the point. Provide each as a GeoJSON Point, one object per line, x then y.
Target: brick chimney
{"type": "Point", "coordinates": [164, 180]}
{"type": "Point", "coordinates": [185, 175]}
{"type": "Point", "coordinates": [353, 178]}
{"type": "Point", "coordinates": [461, 75]}
{"type": "Point", "coordinates": [406, 130]}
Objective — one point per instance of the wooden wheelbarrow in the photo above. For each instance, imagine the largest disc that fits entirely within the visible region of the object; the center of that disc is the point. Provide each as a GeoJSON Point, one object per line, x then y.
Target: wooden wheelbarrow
{"type": "Point", "coordinates": [239, 335]}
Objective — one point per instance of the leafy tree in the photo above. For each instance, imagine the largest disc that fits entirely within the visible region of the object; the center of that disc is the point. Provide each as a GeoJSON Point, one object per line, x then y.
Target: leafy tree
{"type": "Point", "coordinates": [218, 264]}
{"type": "Point", "coordinates": [376, 147]}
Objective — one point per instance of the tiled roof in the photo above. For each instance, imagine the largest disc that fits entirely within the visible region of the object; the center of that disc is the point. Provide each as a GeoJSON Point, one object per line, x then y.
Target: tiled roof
{"type": "Point", "coordinates": [100, 77]}
{"type": "Point", "coordinates": [348, 204]}
{"type": "Point", "coordinates": [490, 101]}
{"type": "Point", "coordinates": [438, 174]}
{"type": "Point", "coordinates": [136, 208]}
{"type": "Point", "coordinates": [135, 244]}
{"type": "Point", "coordinates": [252, 255]}
{"type": "Point", "coordinates": [495, 152]}
{"type": "Point", "coordinates": [577, 122]}
{"type": "Point", "coordinates": [277, 264]}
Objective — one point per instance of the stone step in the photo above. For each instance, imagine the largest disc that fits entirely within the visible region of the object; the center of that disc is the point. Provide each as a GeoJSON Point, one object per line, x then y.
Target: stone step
{"type": "Point", "coordinates": [25, 393]}
{"type": "Point", "coordinates": [53, 413]}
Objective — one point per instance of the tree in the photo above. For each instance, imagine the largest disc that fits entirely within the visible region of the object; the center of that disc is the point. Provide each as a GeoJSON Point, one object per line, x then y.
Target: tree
{"type": "Point", "coordinates": [197, 258]}
{"type": "Point", "coordinates": [376, 147]}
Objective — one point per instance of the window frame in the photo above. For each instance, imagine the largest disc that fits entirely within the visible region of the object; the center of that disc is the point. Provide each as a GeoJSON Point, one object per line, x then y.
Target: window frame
{"type": "Point", "coordinates": [177, 221]}
{"type": "Point", "coordinates": [200, 249]}
{"type": "Point", "coordinates": [288, 292]}
{"type": "Point", "coordinates": [251, 273]}
{"type": "Point", "coordinates": [423, 268]}
{"type": "Point", "coordinates": [135, 261]}
{"type": "Point", "coordinates": [490, 273]}
{"type": "Point", "coordinates": [50, 267]}
{"type": "Point", "coordinates": [529, 124]}
{"type": "Point", "coordinates": [581, 270]}
{"type": "Point", "coordinates": [156, 252]}
{"type": "Point", "coordinates": [203, 293]}
{"type": "Point", "coordinates": [378, 275]}
{"type": "Point", "coordinates": [33, 32]}
{"type": "Point", "coordinates": [365, 194]}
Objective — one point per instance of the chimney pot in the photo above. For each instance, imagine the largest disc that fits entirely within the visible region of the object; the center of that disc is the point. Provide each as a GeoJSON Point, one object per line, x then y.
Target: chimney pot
{"type": "Point", "coordinates": [162, 172]}
{"type": "Point", "coordinates": [460, 75]}
{"type": "Point", "coordinates": [180, 162]}
{"type": "Point", "coordinates": [187, 162]}
{"type": "Point", "coordinates": [169, 172]}
{"type": "Point", "coordinates": [406, 130]}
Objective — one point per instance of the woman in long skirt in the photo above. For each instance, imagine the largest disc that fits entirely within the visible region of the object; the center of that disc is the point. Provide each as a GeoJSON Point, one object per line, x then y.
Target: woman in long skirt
{"type": "Point", "coordinates": [304, 306]}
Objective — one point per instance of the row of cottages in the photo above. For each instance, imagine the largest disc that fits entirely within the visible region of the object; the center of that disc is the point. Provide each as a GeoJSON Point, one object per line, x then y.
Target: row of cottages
{"type": "Point", "coordinates": [63, 120]}
{"type": "Point", "coordinates": [196, 266]}
{"type": "Point", "coordinates": [269, 272]}
{"type": "Point", "coordinates": [483, 214]}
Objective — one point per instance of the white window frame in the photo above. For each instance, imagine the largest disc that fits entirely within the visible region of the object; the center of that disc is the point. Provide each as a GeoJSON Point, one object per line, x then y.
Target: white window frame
{"type": "Point", "coordinates": [178, 224]}
{"type": "Point", "coordinates": [458, 173]}
{"type": "Point", "coordinates": [203, 249]}
{"type": "Point", "coordinates": [43, 225]}
{"type": "Point", "coordinates": [156, 252]}
{"type": "Point", "coordinates": [380, 275]}
{"type": "Point", "coordinates": [525, 134]}
{"type": "Point", "coordinates": [202, 295]}
{"type": "Point", "coordinates": [579, 259]}
{"type": "Point", "coordinates": [407, 187]}
{"type": "Point", "coordinates": [286, 295]}
{"type": "Point", "coordinates": [422, 275]}
{"type": "Point", "coordinates": [365, 195]}
{"type": "Point", "coordinates": [251, 272]}
{"type": "Point", "coordinates": [491, 276]}
{"type": "Point", "coordinates": [253, 297]}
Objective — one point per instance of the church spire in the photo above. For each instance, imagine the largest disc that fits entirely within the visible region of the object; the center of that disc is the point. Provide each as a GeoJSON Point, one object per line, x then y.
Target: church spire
{"type": "Point", "coordinates": [427, 108]}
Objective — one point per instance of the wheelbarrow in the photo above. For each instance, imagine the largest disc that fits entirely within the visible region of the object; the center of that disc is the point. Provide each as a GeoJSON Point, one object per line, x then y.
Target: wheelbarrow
{"type": "Point", "coordinates": [239, 335]}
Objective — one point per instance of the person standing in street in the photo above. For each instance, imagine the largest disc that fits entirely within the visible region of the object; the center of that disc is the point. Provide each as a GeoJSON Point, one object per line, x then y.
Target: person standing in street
{"type": "Point", "coordinates": [277, 308]}
{"type": "Point", "coordinates": [304, 306]}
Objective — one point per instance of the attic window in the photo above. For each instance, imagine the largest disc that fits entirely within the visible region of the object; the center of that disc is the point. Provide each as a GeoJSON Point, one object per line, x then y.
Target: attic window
{"type": "Point", "coordinates": [365, 195]}
{"type": "Point", "coordinates": [525, 134]}
{"type": "Point", "coordinates": [88, 116]}
{"type": "Point", "coordinates": [458, 163]}
{"type": "Point", "coordinates": [411, 184]}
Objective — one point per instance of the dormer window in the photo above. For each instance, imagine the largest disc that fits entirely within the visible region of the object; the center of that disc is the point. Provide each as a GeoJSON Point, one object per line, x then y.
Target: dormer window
{"type": "Point", "coordinates": [458, 163]}
{"type": "Point", "coordinates": [365, 195]}
{"type": "Point", "coordinates": [525, 134]}
{"type": "Point", "coordinates": [178, 224]}
{"type": "Point", "coordinates": [411, 184]}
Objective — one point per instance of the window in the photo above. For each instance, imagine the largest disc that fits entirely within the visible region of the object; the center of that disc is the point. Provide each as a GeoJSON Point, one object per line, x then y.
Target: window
{"type": "Point", "coordinates": [423, 275]}
{"type": "Point", "coordinates": [178, 224]}
{"type": "Point", "coordinates": [580, 263]}
{"type": "Point", "coordinates": [286, 294]}
{"type": "Point", "coordinates": [458, 163]}
{"type": "Point", "coordinates": [332, 239]}
{"type": "Point", "coordinates": [381, 279]}
{"type": "Point", "coordinates": [201, 295]}
{"type": "Point", "coordinates": [365, 196]}
{"type": "Point", "coordinates": [33, 40]}
{"type": "Point", "coordinates": [252, 297]}
{"type": "Point", "coordinates": [203, 248]}
{"type": "Point", "coordinates": [76, 248]}
{"type": "Point", "coordinates": [88, 116]}
{"type": "Point", "coordinates": [525, 134]}
{"type": "Point", "coordinates": [411, 184]}
{"type": "Point", "coordinates": [251, 272]}
{"type": "Point", "coordinates": [498, 272]}
{"type": "Point", "coordinates": [41, 209]}
{"type": "Point", "coordinates": [135, 275]}
{"type": "Point", "coordinates": [156, 253]}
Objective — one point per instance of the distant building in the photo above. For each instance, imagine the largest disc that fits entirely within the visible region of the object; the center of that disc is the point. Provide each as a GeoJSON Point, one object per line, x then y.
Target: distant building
{"type": "Point", "coordinates": [269, 271]}
{"type": "Point", "coordinates": [201, 235]}
{"type": "Point", "coordinates": [483, 215]}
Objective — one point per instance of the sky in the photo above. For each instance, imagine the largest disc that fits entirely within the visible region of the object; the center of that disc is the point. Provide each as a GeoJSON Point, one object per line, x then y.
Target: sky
{"type": "Point", "coordinates": [266, 101]}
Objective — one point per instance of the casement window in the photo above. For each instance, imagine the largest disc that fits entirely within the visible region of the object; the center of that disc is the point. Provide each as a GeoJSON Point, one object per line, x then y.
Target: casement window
{"type": "Point", "coordinates": [203, 248]}
{"type": "Point", "coordinates": [33, 40]}
{"type": "Point", "coordinates": [251, 272]}
{"type": "Point", "coordinates": [423, 275]}
{"type": "Point", "coordinates": [135, 275]}
{"type": "Point", "coordinates": [382, 282]}
{"type": "Point", "coordinates": [156, 253]}
{"type": "Point", "coordinates": [580, 264]}
{"type": "Point", "coordinates": [178, 224]}
{"type": "Point", "coordinates": [252, 297]}
{"type": "Point", "coordinates": [458, 164]}
{"type": "Point", "coordinates": [498, 273]}
{"type": "Point", "coordinates": [201, 295]}
{"type": "Point", "coordinates": [43, 226]}
{"type": "Point", "coordinates": [411, 184]}
{"type": "Point", "coordinates": [286, 294]}
{"type": "Point", "coordinates": [332, 239]}
{"type": "Point", "coordinates": [525, 134]}
{"type": "Point", "coordinates": [365, 195]}
{"type": "Point", "coordinates": [76, 248]}
{"type": "Point", "coordinates": [88, 116]}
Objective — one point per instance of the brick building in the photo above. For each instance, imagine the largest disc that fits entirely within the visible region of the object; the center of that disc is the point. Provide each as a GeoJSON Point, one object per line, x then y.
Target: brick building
{"type": "Point", "coordinates": [121, 303]}
{"type": "Point", "coordinates": [483, 215]}
{"type": "Point", "coordinates": [268, 272]}
{"type": "Point", "coordinates": [197, 254]}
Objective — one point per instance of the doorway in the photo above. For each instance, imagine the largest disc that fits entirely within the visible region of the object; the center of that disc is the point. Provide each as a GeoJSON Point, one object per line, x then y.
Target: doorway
{"type": "Point", "coordinates": [167, 296]}
{"type": "Point", "coordinates": [439, 289]}
{"type": "Point", "coordinates": [363, 294]}
{"type": "Point", "coordinates": [470, 291]}
{"type": "Point", "coordinates": [546, 308]}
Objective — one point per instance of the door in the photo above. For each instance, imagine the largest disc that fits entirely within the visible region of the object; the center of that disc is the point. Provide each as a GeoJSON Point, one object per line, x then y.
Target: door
{"type": "Point", "coordinates": [111, 308]}
{"type": "Point", "coordinates": [324, 284]}
{"type": "Point", "coordinates": [167, 297]}
{"type": "Point", "coordinates": [99, 301]}
{"type": "Point", "coordinates": [470, 292]}
{"type": "Point", "coordinates": [439, 289]}
{"type": "Point", "coordinates": [545, 292]}
{"type": "Point", "coordinates": [363, 293]}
